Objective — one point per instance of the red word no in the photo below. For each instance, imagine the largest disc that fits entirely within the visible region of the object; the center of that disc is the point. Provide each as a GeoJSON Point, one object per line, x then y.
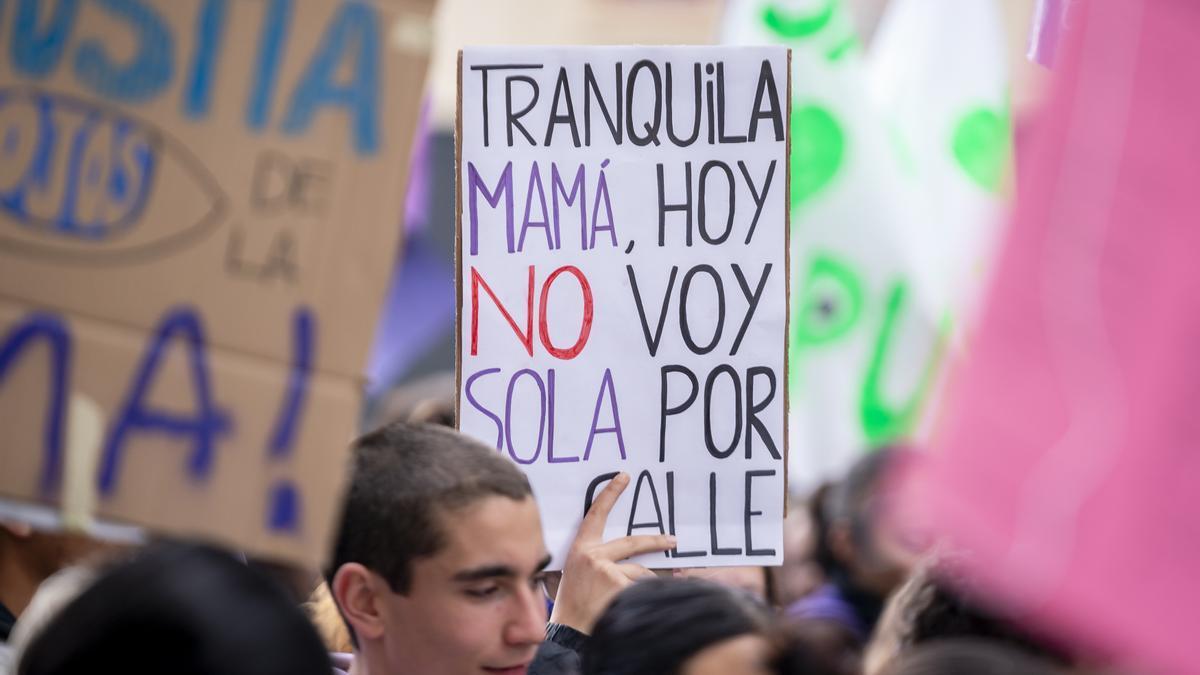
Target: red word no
{"type": "Point", "coordinates": [526, 337]}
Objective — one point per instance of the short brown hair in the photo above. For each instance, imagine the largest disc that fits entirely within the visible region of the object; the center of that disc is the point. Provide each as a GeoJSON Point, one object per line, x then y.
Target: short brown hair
{"type": "Point", "coordinates": [404, 477]}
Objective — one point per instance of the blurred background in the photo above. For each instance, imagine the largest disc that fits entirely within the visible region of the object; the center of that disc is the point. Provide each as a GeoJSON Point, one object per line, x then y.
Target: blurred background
{"type": "Point", "coordinates": [992, 305]}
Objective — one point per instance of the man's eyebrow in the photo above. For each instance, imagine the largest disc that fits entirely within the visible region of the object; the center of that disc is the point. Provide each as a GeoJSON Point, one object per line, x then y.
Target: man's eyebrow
{"type": "Point", "coordinates": [494, 571]}
{"type": "Point", "coordinates": [485, 572]}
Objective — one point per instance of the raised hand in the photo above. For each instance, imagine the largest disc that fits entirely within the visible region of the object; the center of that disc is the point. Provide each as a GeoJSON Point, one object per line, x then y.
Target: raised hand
{"type": "Point", "coordinates": [595, 570]}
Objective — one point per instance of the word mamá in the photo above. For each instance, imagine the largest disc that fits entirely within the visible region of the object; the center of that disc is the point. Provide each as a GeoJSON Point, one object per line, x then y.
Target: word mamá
{"type": "Point", "coordinates": [579, 96]}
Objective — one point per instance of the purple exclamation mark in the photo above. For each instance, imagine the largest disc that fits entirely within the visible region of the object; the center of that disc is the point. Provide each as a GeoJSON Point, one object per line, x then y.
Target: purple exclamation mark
{"type": "Point", "coordinates": [283, 498]}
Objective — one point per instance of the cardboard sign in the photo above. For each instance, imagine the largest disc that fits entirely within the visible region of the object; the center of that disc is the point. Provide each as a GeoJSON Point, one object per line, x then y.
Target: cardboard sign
{"type": "Point", "coordinates": [623, 286]}
{"type": "Point", "coordinates": [199, 206]}
{"type": "Point", "coordinates": [1067, 463]}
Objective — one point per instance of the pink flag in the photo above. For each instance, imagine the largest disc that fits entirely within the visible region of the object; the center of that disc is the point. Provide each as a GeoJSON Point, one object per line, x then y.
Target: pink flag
{"type": "Point", "coordinates": [1069, 460]}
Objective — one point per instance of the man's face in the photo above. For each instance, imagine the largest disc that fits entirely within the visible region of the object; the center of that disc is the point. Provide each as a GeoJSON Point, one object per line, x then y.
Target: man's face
{"type": "Point", "coordinates": [476, 606]}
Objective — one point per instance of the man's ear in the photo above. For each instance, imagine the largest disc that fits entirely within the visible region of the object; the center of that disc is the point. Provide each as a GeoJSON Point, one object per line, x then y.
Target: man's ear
{"type": "Point", "coordinates": [356, 591]}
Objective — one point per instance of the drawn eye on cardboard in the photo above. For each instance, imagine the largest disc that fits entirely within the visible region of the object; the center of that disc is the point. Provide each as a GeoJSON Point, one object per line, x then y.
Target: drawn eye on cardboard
{"type": "Point", "coordinates": [79, 183]}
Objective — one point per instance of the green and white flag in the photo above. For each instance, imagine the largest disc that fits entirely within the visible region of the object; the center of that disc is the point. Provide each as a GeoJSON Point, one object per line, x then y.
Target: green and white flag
{"type": "Point", "coordinates": [898, 156]}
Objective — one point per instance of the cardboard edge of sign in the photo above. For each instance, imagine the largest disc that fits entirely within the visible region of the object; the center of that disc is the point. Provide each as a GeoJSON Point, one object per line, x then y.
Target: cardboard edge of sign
{"type": "Point", "coordinates": [458, 291]}
{"type": "Point", "coordinates": [787, 280]}
{"type": "Point", "coordinates": [787, 262]}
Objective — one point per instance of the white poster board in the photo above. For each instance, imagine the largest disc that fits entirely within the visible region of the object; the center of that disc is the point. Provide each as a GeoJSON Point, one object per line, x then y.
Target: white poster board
{"type": "Point", "coordinates": [623, 281]}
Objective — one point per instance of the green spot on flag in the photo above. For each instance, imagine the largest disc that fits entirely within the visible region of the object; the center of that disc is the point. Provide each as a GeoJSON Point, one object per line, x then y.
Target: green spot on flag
{"type": "Point", "coordinates": [793, 25]}
{"type": "Point", "coordinates": [980, 146]}
{"type": "Point", "coordinates": [818, 150]}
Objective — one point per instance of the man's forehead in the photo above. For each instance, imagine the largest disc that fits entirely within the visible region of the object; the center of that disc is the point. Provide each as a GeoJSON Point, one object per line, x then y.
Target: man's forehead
{"type": "Point", "coordinates": [493, 530]}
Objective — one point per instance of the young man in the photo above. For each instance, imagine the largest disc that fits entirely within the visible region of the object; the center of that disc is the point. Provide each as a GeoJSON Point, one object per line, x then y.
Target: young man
{"type": "Point", "coordinates": [438, 563]}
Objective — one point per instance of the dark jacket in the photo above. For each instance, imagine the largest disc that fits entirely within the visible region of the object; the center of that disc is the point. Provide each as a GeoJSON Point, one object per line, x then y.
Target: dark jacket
{"type": "Point", "coordinates": [559, 654]}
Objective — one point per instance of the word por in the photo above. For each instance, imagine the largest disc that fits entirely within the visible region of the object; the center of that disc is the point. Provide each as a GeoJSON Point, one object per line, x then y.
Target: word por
{"type": "Point", "coordinates": [744, 410]}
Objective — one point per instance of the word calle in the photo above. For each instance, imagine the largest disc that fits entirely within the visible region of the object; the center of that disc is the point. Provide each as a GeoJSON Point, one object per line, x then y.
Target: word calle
{"type": "Point", "coordinates": [647, 511]}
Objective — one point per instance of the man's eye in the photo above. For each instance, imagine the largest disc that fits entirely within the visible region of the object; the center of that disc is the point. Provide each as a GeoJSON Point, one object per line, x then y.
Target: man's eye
{"type": "Point", "coordinates": [485, 592]}
{"type": "Point", "coordinates": [538, 581]}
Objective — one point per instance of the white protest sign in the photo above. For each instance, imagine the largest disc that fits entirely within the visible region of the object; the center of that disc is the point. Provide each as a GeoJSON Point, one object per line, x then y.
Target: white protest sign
{"type": "Point", "coordinates": [623, 286]}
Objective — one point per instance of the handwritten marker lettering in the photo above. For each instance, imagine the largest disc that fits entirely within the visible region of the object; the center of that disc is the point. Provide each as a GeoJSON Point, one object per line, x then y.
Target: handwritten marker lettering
{"type": "Point", "coordinates": [583, 355]}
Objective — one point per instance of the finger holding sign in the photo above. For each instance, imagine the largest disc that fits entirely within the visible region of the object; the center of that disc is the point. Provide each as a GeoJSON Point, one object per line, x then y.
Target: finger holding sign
{"type": "Point", "coordinates": [627, 547]}
{"type": "Point", "coordinates": [594, 571]}
{"type": "Point", "coordinates": [635, 571]}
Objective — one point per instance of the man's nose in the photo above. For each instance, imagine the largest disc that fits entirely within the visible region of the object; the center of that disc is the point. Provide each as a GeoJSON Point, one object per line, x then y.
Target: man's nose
{"type": "Point", "coordinates": [528, 623]}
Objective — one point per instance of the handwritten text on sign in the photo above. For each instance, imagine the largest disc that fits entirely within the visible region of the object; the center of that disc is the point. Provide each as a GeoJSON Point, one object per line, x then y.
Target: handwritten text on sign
{"type": "Point", "coordinates": [623, 243]}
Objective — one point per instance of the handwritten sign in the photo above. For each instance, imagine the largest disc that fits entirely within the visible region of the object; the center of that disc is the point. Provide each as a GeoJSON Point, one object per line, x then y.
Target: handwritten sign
{"type": "Point", "coordinates": [623, 286]}
{"type": "Point", "coordinates": [198, 213]}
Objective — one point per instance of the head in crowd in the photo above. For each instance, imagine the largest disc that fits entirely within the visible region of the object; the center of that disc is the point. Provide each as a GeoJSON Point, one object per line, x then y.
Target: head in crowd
{"type": "Point", "coordinates": [752, 580]}
{"type": "Point", "coordinates": [680, 627]}
{"type": "Point", "coordinates": [799, 574]}
{"type": "Point", "coordinates": [27, 558]}
{"type": "Point", "coordinates": [438, 559]}
{"type": "Point", "coordinates": [976, 657]}
{"type": "Point", "coordinates": [851, 538]}
{"type": "Point", "coordinates": [52, 596]}
{"type": "Point", "coordinates": [810, 648]}
{"type": "Point", "coordinates": [934, 605]}
{"type": "Point", "coordinates": [861, 559]}
{"type": "Point", "coordinates": [424, 400]}
{"type": "Point", "coordinates": [181, 609]}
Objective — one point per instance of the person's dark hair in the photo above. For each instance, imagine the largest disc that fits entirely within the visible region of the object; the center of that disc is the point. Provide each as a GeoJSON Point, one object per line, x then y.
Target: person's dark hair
{"type": "Point", "coordinates": [424, 400]}
{"type": "Point", "coordinates": [770, 587]}
{"type": "Point", "coordinates": [939, 605]}
{"type": "Point", "coordinates": [822, 524]}
{"type": "Point", "coordinates": [654, 626]}
{"type": "Point", "coordinates": [978, 657]}
{"type": "Point", "coordinates": [813, 648]}
{"type": "Point", "coordinates": [849, 500]}
{"type": "Point", "coordinates": [181, 609]}
{"type": "Point", "coordinates": [404, 479]}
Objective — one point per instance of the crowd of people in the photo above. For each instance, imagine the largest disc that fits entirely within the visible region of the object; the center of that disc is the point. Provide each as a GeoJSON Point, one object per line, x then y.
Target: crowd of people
{"type": "Point", "coordinates": [439, 566]}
